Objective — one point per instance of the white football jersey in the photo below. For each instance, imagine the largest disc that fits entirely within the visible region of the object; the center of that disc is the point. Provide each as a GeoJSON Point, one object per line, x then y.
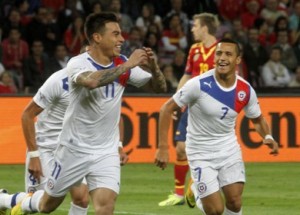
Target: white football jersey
{"type": "Point", "coordinates": [53, 97]}
{"type": "Point", "coordinates": [213, 110]}
{"type": "Point", "coordinates": [92, 118]}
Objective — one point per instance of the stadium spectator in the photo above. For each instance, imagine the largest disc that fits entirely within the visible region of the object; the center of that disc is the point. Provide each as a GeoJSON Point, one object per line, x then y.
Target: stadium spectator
{"type": "Point", "coordinates": [176, 8]}
{"type": "Point", "coordinates": [173, 38]}
{"type": "Point", "coordinates": [125, 20]}
{"type": "Point", "coordinates": [14, 52]}
{"type": "Point", "coordinates": [147, 17]}
{"type": "Point", "coordinates": [214, 155]}
{"type": "Point", "coordinates": [229, 10]}
{"type": "Point", "coordinates": [7, 85]}
{"type": "Point", "coordinates": [200, 59]}
{"type": "Point", "coordinates": [96, 142]}
{"type": "Point", "coordinates": [251, 14]}
{"type": "Point", "coordinates": [152, 40]}
{"type": "Point", "coordinates": [271, 12]}
{"type": "Point", "coordinates": [178, 64]}
{"type": "Point", "coordinates": [238, 33]}
{"type": "Point", "coordinates": [36, 68]}
{"type": "Point", "coordinates": [295, 82]}
{"type": "Point", "coordinates": [60, 58]}
{"type": "Point", "coordinates": [274, 73]}
{"type": "Point", "coordinates": [288, 57]}
{"type": "Point", "coordinates": [171, 79]}
{"type": "Point", "coordinates": [13, 20]}
{"type": "Point", "coordinates": [41, 28]}
{"type": "Point", "coordinates": [294, 22]}
{"type": "Point", "coordinates": [255, 56]}
{"type": "Point", "coordinates": [96, 7]}
{"type": "Point", "coordinates": [133, 42]}
{"type": "Point", "coordinates": [74, 36]}
{"type": "Point", "coordinates": [23, 7]}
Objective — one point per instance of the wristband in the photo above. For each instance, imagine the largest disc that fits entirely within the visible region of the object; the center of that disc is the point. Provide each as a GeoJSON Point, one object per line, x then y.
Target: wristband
{"type": "Point", "coordinates": [269, 136]}
{"type": "Point", "coordinates": [34, 154]}
{"type": "Point", "coordinates": [120, 144]}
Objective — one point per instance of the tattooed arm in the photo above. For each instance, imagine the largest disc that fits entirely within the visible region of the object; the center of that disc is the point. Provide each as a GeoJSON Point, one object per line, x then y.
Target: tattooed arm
{"type": "Point", "coordinates": [157, 83]}
{"type": "Point", "coordinates": [92, 80]}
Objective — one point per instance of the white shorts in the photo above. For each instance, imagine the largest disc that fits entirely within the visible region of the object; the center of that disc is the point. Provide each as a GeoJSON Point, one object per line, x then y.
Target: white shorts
{"type": "Point", "coordinates": [47, 161]}
{"type": "Point", "coordinates": [210, 176]}
{"type": "Point", "coordinates": [70, 167]}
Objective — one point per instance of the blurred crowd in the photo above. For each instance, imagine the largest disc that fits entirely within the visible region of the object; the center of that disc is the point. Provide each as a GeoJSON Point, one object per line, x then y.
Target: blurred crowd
{"type": "Point", "coordinates": [38, 37]}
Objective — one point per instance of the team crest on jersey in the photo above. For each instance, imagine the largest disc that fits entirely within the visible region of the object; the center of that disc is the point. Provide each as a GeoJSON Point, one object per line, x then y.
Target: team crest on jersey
{"type": "Point", "coordinates": [241, 95]}
{"type": "Point", "coordinates": [50, 184]}
{"type": "Point", "coordinates": [202, 187]}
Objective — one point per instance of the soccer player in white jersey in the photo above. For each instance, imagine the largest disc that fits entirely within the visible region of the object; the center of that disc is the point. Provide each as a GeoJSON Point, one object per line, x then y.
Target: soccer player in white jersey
{"type": "Point", "coordinates": [49, 104]}
{"type": "Point", "coordinates": [214, 100]}
{"type": "Point", "coordinates": [90, 136]}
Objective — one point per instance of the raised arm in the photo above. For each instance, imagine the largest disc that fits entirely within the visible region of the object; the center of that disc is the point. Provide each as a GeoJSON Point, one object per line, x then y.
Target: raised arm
{"type": "Point", "coordinates": [92, 80]}
{"type": "Point", "coordinates": [165, 116]}
{"type": "Point", "coordinates": [157, 83]}
{"type": "Point", "coordinates": [28, 116]}
{"type": "Point", "coordinates": [262, 127]}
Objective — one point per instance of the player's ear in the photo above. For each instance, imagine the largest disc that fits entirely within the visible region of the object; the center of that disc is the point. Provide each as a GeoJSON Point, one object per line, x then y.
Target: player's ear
{"type": "Point", "coordinates": [97, 37]}
{"type": "Point", "coordinates": [238, 59]}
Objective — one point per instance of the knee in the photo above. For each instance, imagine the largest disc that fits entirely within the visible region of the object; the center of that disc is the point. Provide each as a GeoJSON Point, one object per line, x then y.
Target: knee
{"type": "Point", "coordinates": [104, 209]}
{"type": "Point", "coordinates": [81, 201]}
{"type": "Point", "coordinates": [234, 204]}
{"type": "Point", "coordinates": [214, 210]}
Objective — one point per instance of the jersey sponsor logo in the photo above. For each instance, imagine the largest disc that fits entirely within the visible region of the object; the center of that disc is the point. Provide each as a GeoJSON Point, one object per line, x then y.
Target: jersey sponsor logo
{"type": "Point", "coordinates": [241, 95]}
{"type": "Point", "coordinates": [50, 184]}
{"type": "Point", "coordinates": [208, 84]}
{"type": "Point", "coordinates": [202, 187]}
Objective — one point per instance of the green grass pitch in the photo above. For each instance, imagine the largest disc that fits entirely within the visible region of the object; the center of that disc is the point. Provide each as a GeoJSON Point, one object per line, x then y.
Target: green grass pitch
{"type": "Point", "coordinates": [271, 189]}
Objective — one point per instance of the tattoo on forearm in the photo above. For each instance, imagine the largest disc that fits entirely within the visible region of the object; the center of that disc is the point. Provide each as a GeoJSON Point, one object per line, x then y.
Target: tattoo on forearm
{"type": "Point", "coordinates": [107, 76]}
{"type": "Point", "coordinates": [159, 82]}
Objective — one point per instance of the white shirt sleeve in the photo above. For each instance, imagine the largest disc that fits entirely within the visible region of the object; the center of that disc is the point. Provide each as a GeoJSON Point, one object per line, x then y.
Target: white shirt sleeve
{"type": "Point", "coordinates": [48, 92]}
{"type": "Point", "coordinates": [188, 94]}
{"type": "Point", "coordinates": [252, 109]}
{"type": "Point", "coordinates": [139, 77]}
{"type": "Point", "coordinates": [75, 67]}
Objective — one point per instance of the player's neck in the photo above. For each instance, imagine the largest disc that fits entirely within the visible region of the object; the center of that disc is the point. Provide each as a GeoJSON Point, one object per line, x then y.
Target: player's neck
{"type": "Point", "coordinates": [209, 41]}
{"type": "Point", "coordinates": [99, 57]}
{"type": "Point", "coordinates": [226, 80]}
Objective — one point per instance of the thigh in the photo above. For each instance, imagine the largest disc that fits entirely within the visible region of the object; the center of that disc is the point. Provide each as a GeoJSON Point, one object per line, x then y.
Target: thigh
{"type": "Point", "coordinates": [205, 179]}
{"type": "Point", "coordinates": [104, 172]}
{"type": "Point", "coordinates": [232, 172]}
{"type": "Point", "coordinates": [68, 169]}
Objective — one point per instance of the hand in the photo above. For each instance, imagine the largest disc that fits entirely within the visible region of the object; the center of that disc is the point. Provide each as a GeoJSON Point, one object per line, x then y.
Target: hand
{"type": "Point", "coordinates": [139, 57]}
{"type": "Point", "coordinates": [35, 168]}
{"type": "Point", "coordinates": [123, 156]}
{"type": "Point", "coordinates": [161, 158]}
{"type": "Point", "coordinates": [175, 115]}
{"type": "Point", "coordinates": [273, 145]}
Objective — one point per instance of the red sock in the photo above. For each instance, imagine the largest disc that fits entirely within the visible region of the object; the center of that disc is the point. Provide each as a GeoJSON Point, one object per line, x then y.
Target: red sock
{"type": "Point", "coordinates": [181, 168]}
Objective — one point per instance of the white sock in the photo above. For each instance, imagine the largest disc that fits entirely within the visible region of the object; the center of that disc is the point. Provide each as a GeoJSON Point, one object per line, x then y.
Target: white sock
{"type": "Point", "coordinates": [77, 210]}
{"type": "Point", "coordinates": [228, 212]}
{"type": "Point", "coordinates": [31, 203]}
{"type": "Point", "coordinates": [10, 200]}
{"type": "Point", "coordinates": [197, 198]}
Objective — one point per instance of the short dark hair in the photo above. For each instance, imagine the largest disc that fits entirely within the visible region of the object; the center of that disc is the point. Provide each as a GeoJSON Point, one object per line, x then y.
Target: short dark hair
{"type": "Point", "coordinates": [228, 40]}
{"type": "Point", "coordinates": [95, 22]}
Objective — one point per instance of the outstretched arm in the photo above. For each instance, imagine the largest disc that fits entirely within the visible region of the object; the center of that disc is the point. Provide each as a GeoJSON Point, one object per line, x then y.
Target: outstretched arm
{"type": "Point", "coordinates": [165, 116]}
{"type": "Point", "coordinates": [262, 127]}
{"type": "Point", "coordinates": [28, 116]}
